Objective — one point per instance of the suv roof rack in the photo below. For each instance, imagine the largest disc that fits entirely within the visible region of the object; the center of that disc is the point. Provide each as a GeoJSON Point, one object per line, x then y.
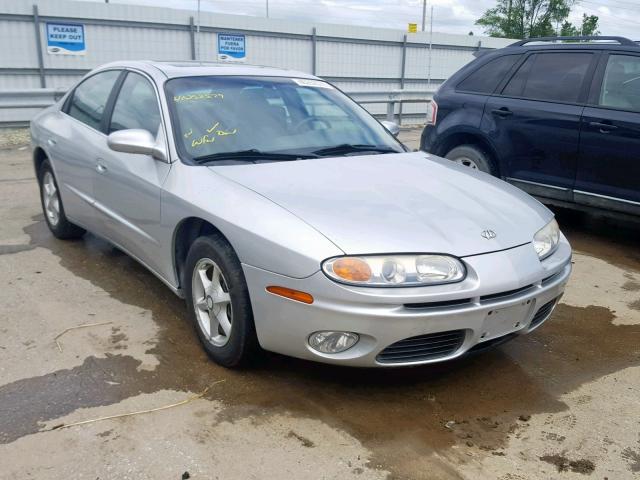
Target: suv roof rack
{"type": "Point", "coordinates": [621, 40]}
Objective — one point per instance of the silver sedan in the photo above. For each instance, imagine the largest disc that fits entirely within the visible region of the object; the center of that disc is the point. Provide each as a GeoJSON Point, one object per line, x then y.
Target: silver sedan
{"type": "Point", "coordinates": [293, 221]}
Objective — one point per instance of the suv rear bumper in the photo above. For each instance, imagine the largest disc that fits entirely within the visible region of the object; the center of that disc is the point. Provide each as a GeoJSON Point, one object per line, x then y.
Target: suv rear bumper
{"type": "Point", "coordinates": [427, 139]}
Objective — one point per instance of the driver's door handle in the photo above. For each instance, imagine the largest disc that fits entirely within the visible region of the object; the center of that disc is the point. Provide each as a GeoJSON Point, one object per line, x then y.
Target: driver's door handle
{"type": "Point", "coordinates": [603, 127]}
{"type": "Point", "coordinates": [502, 112]}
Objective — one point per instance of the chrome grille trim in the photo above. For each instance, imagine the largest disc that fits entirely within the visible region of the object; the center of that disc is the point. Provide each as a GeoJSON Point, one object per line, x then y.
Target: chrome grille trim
{"type": "Point", "coordinates": [423, 347]}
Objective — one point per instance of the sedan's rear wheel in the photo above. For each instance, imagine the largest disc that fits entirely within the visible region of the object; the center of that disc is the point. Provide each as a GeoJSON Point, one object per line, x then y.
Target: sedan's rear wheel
{"type": "Point", "coordinates": [472, 157]}
{"type": "Point", "coordinates": [52, 206]}
{"type": "Point", "coordinates": [218, 301]}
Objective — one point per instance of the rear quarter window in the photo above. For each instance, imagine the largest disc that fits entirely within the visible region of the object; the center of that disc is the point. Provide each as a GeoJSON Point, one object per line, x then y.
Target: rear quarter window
{"type": "Point", "coordinates": [486, 78]}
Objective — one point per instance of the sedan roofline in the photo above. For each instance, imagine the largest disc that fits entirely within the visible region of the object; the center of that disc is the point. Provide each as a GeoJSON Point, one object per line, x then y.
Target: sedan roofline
{"type": "Point", "coordinates": [175, 69]}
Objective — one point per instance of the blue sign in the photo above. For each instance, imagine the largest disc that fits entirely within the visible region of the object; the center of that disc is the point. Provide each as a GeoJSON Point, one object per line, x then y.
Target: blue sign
{"type": "Point", "coordinates": [65, 39]}
{"type": "Point", "coordinates": [231, 47]}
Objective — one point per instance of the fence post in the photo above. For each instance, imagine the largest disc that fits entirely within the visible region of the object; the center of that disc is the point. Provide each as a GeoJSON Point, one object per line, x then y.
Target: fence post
{"type": "Point", "coordinates": [391, 107]}
{"type": "Point", "coordinates": [192, 38]}
{"type": "Point", "coordinates": [36, 24]}
{"type": "Point", "coordinates": [314, 47]}
{"type": "Point", "coordinates": [402, 73]}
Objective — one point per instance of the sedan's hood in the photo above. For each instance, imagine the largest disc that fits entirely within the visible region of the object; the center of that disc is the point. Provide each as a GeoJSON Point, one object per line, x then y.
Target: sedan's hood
{"type": "Point", "coordinates": [408, 202]}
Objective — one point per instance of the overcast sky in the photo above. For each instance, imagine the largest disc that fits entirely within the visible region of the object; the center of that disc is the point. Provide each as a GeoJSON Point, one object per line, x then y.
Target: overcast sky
{"type": "Point", "coordinates": [617, 17]}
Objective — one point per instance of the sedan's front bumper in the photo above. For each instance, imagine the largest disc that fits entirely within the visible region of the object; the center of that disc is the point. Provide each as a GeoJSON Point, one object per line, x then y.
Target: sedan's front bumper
{"type": "Point", "coordinates": [507, 292]}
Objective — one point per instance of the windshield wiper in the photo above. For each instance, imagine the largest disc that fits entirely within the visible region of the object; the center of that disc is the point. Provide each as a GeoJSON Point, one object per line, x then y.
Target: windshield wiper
{"type": "Point", "coordinates": [349, 148]}
{"type": "Point", "coordinates": [252, 155]}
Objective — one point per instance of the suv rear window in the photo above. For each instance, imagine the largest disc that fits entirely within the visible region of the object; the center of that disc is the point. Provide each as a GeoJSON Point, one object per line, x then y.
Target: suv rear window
{"type": "Point", "coordinates": [550, 76]}
{"type": "Point", "coordinates": [486, 78]}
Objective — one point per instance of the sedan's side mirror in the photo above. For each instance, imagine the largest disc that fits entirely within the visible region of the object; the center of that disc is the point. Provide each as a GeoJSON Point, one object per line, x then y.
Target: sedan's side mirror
{"type": "Point", "coordinates": [136, 141]}
{"type": "Point", "coordinates": [392, 127]}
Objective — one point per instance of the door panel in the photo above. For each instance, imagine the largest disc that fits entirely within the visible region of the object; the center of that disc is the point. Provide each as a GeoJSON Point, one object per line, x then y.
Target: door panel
{"type": "Point", "coordinates": [77, 141]}
{"type": "Point", "coordinates": [535, 122]}
{"type": "Point", "coordinates": [127, 190]}
{"type": "Point", "coordinates": [127, 186]}
{"type": "Point", "coordinates": [538, 142]}
{"type": "Point", "coordinates": [609, 168]}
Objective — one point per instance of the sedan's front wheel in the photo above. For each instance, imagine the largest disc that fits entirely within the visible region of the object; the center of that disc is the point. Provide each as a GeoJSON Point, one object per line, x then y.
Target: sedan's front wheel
{"type": "Point", "coordinates": [218, 301]}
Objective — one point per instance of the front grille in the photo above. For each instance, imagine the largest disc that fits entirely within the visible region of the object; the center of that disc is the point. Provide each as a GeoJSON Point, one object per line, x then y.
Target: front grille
{"type": "Point", "coordinates": [441, 304]}
{"type": "Point", "coordinates": [423, 347]}
{"type": "Point", "coordinates": [542, 314]}
{"type": "Point", "coordinates": [495, 296]}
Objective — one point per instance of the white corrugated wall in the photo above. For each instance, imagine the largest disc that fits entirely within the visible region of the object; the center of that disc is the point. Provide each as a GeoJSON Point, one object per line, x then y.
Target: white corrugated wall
{"type": "Point", "coordinates": [354, 58]}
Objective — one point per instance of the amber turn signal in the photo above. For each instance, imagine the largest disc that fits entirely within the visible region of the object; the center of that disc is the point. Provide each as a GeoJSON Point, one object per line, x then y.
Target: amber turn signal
{"type": "Point", "coordinates": [290, 293]}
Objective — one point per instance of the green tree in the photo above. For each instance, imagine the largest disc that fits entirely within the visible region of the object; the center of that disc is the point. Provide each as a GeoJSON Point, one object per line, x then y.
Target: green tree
{"type": "Point", "coordinates": [589, 27]}
{"type": "Point", "coordinates": [530, 18]}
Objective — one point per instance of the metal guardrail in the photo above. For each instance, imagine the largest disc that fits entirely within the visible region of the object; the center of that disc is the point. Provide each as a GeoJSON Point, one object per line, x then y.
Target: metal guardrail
{"type": "Point", "coordinates": [17, 107]}
{"type": "Point", "coordinates": [392, 98]}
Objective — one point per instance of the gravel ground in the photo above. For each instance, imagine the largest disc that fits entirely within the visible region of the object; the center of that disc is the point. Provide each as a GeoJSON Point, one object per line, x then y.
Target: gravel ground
{"type": "Point", "coordinates": [14, 137]}
{"type": "Point", "coordinates": [561, 403]}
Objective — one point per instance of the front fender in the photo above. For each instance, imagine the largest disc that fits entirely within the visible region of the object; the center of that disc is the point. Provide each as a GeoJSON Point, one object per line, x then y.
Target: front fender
{"type": "Point", "coordinates": [263, 234]}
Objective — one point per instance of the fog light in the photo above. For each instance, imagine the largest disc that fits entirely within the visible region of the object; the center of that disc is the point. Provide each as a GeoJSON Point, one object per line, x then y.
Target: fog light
{"type": "Point", "coordinates": [332, 342]}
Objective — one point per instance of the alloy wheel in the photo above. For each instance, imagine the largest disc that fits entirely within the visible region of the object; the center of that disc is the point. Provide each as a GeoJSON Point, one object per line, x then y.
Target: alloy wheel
{"type": "Point", "coordinates": [50, 199]}
{"type": "Point", "coordinates": [212, 302]}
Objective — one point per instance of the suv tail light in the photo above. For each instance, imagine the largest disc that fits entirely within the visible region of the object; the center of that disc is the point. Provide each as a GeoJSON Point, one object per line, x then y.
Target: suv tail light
{"type": "Point", "coordinates": [432, 112]}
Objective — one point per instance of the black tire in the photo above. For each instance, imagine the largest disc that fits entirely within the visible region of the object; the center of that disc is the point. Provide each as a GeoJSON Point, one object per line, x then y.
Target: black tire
{"type": "Point", "coordinates": [469, 155]}
{"type": "Point", "coordinates": [62, 228]}
{"type": "Point", "coordinates": [242, 343]}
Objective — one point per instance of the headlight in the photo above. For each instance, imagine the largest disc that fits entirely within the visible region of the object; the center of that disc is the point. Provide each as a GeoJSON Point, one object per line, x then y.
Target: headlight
{"type": "Point", "coordinates": [546, 240]}
{"type": "Point", "coordinates": [395, 270]}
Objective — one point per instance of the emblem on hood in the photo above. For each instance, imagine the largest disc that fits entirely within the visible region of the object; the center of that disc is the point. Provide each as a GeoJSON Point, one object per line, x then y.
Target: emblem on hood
{"type": "Point", "coordinates": [488, 234]}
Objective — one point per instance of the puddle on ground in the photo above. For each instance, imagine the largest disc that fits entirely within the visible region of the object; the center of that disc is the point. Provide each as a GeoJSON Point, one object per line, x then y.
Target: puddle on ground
{"type": "Point", "coordinates": [396, 413]}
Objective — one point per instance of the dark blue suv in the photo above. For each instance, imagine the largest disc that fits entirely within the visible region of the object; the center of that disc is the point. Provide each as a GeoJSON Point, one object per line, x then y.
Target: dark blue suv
{"type": "Point", "coordinates": [558, 117]}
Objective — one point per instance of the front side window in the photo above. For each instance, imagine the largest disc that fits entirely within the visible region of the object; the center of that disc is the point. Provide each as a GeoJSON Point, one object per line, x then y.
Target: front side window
{"type": "Point", "coordinates": [621, 84]}
{"type": "Point", "coordinates": [90, 98]}
{"type": "Point", "coordinates": [550, 76]}
{"type": "Point", "coordinates": [225, 114]}
{"type": "Point", "coordinates": [486, 78]}
{"type": "Point", "coordinates": [136, 106]}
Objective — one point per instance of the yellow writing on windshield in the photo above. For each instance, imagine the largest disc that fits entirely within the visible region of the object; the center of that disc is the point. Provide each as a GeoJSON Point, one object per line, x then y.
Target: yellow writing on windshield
{"type": "Point", "coordinates": [190, 97]}
{"type": "Point", "coordinates": [210, 136]}
{"type": "Point", "coordinates": [203, 140]}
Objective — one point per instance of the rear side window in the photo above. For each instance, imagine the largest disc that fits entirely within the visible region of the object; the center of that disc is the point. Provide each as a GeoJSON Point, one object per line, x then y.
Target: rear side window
{"type": "Point", "coordinates": [136, 106]}
{"type": "Point", "coordinates": [90, 98]}
{"type": "Point", "coordinates": [486, 78]}
{"type": "Point", "coordinates": [550, 77]}
{"type": "Point", "coordinates": [621, 85]}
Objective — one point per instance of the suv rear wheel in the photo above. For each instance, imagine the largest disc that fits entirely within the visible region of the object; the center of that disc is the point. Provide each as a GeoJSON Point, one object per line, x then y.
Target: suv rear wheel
{"type": "Point", "coordinates": [472, 157]}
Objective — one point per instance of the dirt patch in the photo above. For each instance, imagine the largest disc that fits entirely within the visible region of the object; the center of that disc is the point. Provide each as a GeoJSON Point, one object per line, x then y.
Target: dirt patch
{"type": "Point", "coordinates": [602, 237]}
{"type": "Point", "coordinates": [399, 414]}
{"type": "Point", "coordinates": [633, 457]}
{"type": "Point", "coordinates": [563, 464]}
{"type": "Point", "coordinates": [303, 440]}
{"type": "Point", "coordinates": [635, 305]}
{"type": "Point", "coordinates": [14, 137]}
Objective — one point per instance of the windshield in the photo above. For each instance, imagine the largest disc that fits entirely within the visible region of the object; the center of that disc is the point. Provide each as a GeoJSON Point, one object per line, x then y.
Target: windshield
{"type": "Point", "coordinates": [216, 115]}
